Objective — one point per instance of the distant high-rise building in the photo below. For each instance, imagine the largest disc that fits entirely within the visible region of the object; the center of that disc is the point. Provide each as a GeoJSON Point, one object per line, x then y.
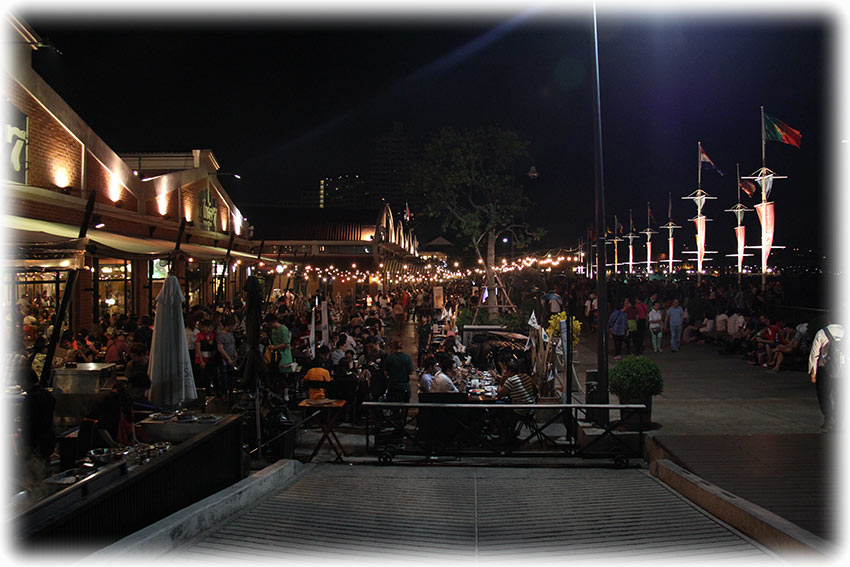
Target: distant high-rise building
{"type": "Point", "coordinates": [345, 192]}
{"type": "Point", "coordinates": [395, 154]}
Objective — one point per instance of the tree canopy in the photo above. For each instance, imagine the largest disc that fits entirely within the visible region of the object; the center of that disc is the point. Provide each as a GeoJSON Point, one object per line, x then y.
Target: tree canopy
{"type": "Point", "coordinates": [471, 179]}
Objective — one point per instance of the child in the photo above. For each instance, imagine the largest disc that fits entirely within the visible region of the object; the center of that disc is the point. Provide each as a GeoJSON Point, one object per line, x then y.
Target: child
{"type": "Point", "coordinates": [654, 318]}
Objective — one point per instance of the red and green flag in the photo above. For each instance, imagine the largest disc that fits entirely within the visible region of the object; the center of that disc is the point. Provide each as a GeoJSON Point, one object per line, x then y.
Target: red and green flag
{"type": "Point", "coordinates": [778, 131]}
{"type": "Point", "coordinates": [748, 186]}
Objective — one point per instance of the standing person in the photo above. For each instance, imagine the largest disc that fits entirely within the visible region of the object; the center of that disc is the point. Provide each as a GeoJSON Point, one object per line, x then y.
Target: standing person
{"type": "Point", "coordinates": [191, 340]}
{"type": "Point", "coordinates": [826, 361]}
{"type": "Point", "coordinates": [398, 314]}
{"type": "Point", "coordinates": [144, 333]}
{"type": "Point", "coordinates": [205, 354]}
{"type": "Point", "coordinates": [279, 340]}
{"type": "Point", "coordinates": [226, 346]}
{"type": "Point", "coordinates": [675, 318]}
{"type": "Point", "coordinates": [654, 318]}
{"type": "Point", "coordinates": [618, 327]}
{"type": "Point", "coordinates": [641, 314]}
{"type": "Point", "coordinates": [399, 367]}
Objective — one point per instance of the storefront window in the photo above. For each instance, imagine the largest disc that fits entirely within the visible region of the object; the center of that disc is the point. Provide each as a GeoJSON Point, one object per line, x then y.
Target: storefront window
{"type": "Point", "coordinates": [115, 291]}
{"type": "Point", "coordinates": [35, 295]}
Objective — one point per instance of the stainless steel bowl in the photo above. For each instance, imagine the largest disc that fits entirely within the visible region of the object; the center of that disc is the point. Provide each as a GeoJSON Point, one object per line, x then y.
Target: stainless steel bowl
{"type": "Point", "coordinates": [100, 456]}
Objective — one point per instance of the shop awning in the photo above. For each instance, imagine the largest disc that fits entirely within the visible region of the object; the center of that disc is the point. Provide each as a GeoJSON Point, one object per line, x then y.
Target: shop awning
{"type": "Point", "coordinates": [104, 244]}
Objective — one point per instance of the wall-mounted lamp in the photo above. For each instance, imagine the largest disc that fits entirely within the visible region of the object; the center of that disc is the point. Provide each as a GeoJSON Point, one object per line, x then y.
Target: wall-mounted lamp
{"type": "Point", "coordinates": [41, 44]}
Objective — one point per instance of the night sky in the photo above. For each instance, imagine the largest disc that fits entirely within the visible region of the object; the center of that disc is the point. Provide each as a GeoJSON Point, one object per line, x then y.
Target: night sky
{"type": "Point", "coordinates": [286, 101]}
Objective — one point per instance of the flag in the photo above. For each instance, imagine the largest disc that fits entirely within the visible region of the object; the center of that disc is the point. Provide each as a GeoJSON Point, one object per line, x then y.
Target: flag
{"type": "Point", "coordinates": [705, 160]}
{"type": "Point", "coordinates": [748, 186]}
{"type": "Point", "coordinates": [532, 321]}
{"type": "Point", "coordinates": [778, 131]}
{"type": "Point", "coordinates": [407, 215]}
{"type": "Point", "coordinates": [650, 215]}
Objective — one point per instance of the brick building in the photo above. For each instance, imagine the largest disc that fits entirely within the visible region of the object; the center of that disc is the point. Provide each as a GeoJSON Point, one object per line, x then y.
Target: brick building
{"type": "Point", "coordinates": [55, 163]}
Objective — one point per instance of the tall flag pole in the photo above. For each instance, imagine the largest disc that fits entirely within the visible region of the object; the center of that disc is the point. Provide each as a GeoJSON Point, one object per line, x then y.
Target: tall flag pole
{"type": "Point", "coordinates": [775, 130]}
{"type": "Point", "coordinates": [670, 227]}
{"type": "Point", "coordinates": [631, 236]}
{"type": "Point", "coordinates": [699, 197]}
{"type": "Point", "coordinates": [740, 229]}
{"type": "Point", "coordinates": [618, 229]}
{"type": "Point", "coordinates": [648, 232]}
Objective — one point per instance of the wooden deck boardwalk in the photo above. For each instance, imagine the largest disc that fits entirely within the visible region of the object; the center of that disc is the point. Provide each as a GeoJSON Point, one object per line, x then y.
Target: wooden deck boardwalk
{"type": "Point", "coordinates": [363, 513]}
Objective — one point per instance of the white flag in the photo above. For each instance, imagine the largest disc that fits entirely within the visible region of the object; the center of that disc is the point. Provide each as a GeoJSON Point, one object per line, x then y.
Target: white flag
{"type": "Point", "coordinates": [326, 336]}
{"type": "Point", "coordinates": [532, 321]}
{"type": "Point", "coordinates": [313, 333]}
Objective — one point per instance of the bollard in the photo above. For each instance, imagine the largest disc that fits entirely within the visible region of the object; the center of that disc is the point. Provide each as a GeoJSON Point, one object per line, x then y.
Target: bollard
{"type": "Point", "coordinates": [595, 396]}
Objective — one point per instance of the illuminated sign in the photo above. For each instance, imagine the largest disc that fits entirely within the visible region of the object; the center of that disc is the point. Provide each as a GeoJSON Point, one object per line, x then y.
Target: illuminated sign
{"type": "Point", "coordinates": [16, 139]}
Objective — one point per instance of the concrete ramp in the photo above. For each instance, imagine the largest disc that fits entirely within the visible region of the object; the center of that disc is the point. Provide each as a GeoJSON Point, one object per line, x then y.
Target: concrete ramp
{"type": "Point", "coordinates": [366, 513]}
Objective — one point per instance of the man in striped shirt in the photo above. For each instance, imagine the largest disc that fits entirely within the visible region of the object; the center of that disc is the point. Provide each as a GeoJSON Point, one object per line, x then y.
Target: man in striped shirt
{"type": "Point", "coordinates": [515, 387]}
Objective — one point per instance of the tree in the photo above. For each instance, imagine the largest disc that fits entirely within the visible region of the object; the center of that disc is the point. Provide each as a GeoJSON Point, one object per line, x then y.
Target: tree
{"type": "Point", "coordinates": [470, 180]}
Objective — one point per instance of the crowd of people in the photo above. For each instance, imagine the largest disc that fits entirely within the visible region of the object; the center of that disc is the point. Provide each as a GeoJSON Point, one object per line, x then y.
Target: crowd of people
{"type": "Point", "coordinates": [356, 354]}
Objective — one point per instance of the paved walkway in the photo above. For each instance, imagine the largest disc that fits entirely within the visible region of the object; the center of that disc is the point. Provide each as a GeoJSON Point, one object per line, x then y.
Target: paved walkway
{"type": "Point", "coordinates": [752, 433]}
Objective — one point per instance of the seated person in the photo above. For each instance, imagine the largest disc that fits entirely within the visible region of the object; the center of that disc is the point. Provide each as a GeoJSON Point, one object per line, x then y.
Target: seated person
{"type": "Point", "coordinates": [444, 380]}
{"type": "Point", "coordinates": [138, 365]}
{"type": "Point", "coordinates": [426, 379]}
{"type": "Point", "coordinates": [789, 343]}
{"type": "Point", "coordinates": [113, 412]}
{"type": "Point", "coordinates": [318, 373]}
{"type": "Point", "coordinates": [515, 387]}
{"type": "Point", "coordinates": [117, 350]}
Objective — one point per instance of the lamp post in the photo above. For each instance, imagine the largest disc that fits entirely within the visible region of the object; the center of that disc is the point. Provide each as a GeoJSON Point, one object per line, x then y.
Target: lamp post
{"type": "Point", "coordinates": [601, 284]}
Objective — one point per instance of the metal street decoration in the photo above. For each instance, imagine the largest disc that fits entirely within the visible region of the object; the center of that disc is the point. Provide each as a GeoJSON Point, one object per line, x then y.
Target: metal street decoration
{"type": "Point", "coordinates": [648, 232]}
{"type": "Point", "coordinates": [740, 229]}
{"type": "Point", "coordinates": [775, 130]}
{"type": "Point", "coordinates": [699, 197]}
{"type": "Point", "coordinates": [670, 227]}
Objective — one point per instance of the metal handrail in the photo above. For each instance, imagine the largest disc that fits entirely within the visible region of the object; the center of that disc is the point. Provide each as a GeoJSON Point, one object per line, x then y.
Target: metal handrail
{"type": "Point", "coordinates": [562, 411]}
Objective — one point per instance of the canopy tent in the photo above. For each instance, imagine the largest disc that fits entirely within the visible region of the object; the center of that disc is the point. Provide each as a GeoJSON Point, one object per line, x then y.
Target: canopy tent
{"type": "Point", "coordinates": [106, 244]}
{"type": "Point", "coordinates": [30, 253]}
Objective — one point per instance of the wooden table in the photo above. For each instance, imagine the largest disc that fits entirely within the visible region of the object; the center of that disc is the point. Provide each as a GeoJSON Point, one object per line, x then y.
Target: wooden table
{"type": "Point", "coordinates": [334, 410]}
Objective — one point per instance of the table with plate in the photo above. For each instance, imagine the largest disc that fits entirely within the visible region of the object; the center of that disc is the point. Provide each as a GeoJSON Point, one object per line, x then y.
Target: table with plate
{"type": "Point", "coordinates": [481, 386]}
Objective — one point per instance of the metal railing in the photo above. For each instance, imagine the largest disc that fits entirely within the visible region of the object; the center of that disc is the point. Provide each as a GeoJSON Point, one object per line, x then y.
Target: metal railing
{"type": "Point", "coordinates": [499, 430]}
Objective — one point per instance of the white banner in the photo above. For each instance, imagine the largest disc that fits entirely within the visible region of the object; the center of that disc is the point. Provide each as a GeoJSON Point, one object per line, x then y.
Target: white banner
{"type": "Point", "coordinates": [313, 333]}
{"type": "Point", "coordinates": [326, 332]}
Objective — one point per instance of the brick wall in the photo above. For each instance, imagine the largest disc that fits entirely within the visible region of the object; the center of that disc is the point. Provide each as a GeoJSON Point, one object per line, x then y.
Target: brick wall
{"type": "Point", "coordinates": [172, 213]}
{"type": "Point", "coordinates": [51, 148]}
{"type": "Point", "coordinates": [190, 198]}
{"type": "Point", "coordinates": [99, 179]}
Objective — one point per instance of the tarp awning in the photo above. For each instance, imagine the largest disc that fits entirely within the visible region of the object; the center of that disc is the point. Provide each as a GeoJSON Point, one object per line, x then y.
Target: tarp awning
{"type": "Point", "coordinates": [104, 244]}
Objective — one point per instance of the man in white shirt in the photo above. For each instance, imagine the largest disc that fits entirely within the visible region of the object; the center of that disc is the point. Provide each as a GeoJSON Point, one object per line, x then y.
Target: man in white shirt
{"type": "Point", "coordinates": [443, 380]}
{"type": "Point", "coordinates": [824, 370]}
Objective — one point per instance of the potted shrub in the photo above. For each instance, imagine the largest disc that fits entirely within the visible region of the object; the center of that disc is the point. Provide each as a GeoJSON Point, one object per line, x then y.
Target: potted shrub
{"type": "Point", "coordinates": [634, 380]}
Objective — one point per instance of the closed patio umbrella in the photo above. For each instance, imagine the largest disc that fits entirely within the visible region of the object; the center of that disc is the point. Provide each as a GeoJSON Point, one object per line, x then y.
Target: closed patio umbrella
{"type": "Point", "coordinates": [170, 369]}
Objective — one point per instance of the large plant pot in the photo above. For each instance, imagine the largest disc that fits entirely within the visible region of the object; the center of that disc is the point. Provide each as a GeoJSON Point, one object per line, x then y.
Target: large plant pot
{"type": "Point", "coordinates": [634, 419]}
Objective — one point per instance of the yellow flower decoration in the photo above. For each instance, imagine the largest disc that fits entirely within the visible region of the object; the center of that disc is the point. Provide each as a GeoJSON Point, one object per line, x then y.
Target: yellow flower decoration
{"type": "Point", "coordinates": [554, 329]}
